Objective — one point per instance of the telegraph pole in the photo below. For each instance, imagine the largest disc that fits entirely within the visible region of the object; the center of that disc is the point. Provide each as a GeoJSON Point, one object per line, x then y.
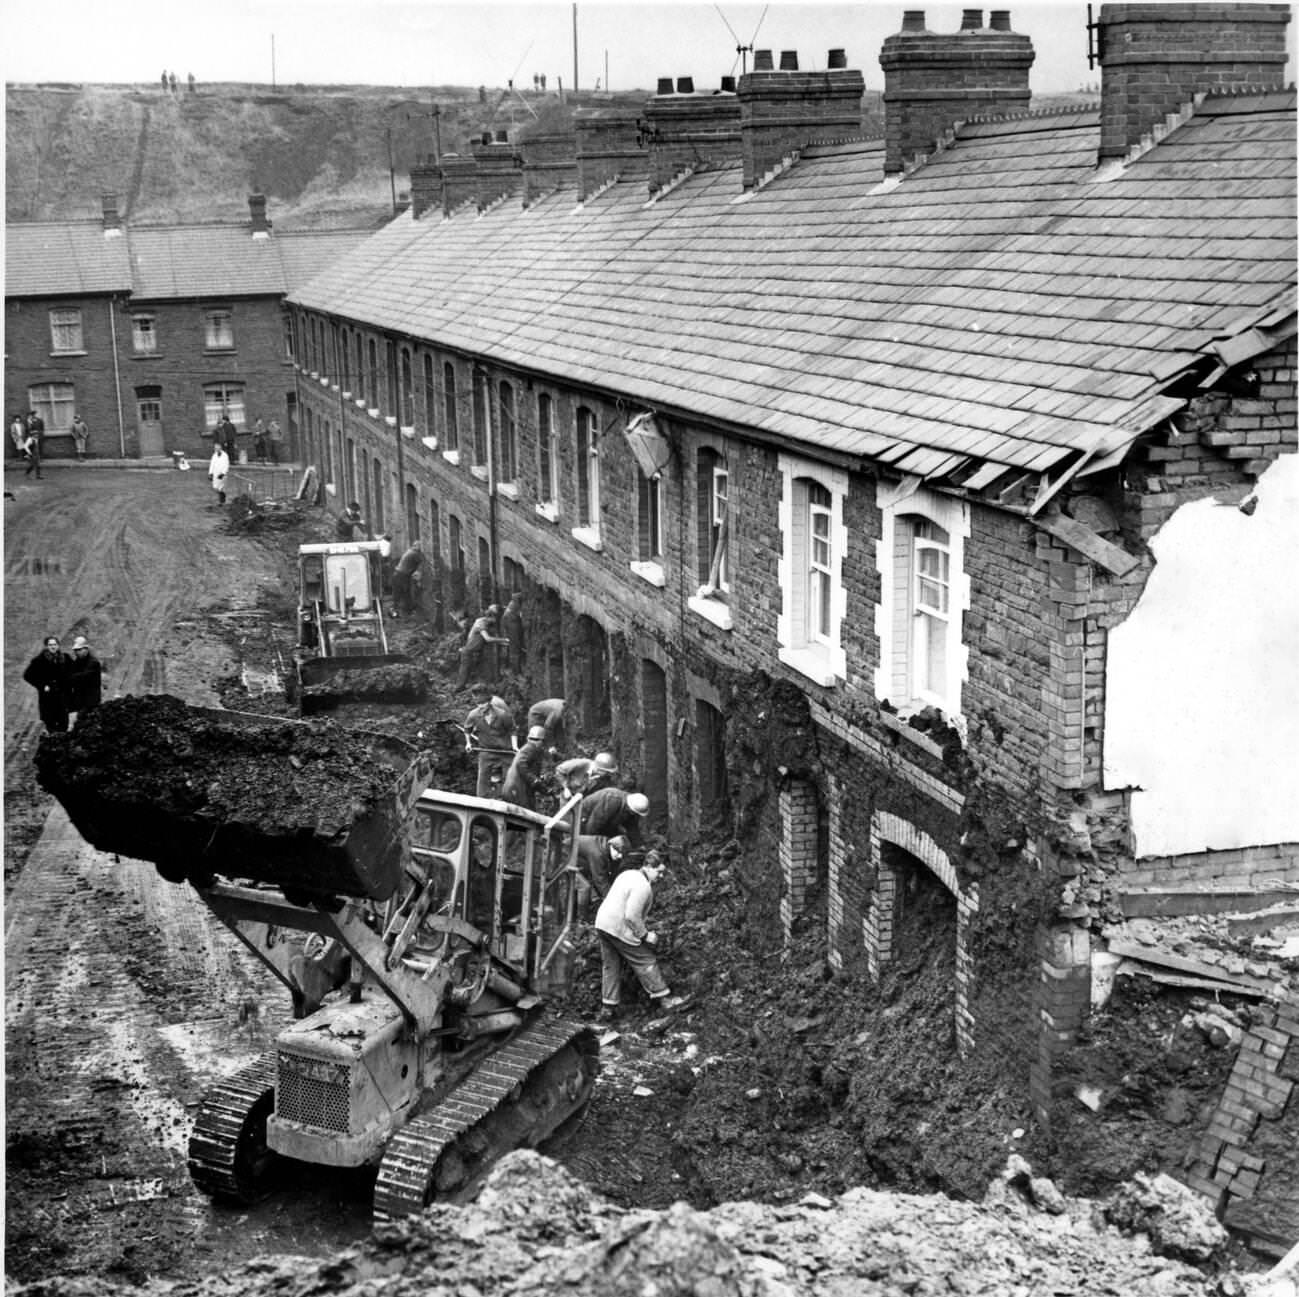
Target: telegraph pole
{"type": "Point", "coordinates": [575, 46]}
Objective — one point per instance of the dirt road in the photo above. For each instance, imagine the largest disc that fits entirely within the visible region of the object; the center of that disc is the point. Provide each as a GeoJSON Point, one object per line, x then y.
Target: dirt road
{"type": "Point", "coordinates": [122, 997]}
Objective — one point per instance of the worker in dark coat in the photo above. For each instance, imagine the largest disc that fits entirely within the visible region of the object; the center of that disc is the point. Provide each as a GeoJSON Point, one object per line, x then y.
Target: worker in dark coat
{"type": "Point", "coordinates": [85, 678]}
{"type": "Point", "coordinates": [481, 633]}
{"type": "Point", "coordinates": [520, 786]}
{"type": "Point", "coordinates": [549, 714]}
{"type": "Point", "coordinates": [600, 859]}
{"type": "Point", "coordinates": [350, 525]}
{"type": "Point", "coordinates": [609, 811]}
{"type": "Point", "coordinates": [47, 673]}
{"type": "Point", "coordinates": [403, 578]}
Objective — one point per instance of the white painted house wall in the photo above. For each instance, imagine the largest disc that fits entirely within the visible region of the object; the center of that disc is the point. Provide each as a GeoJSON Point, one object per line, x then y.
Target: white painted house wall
{"type": "Point", "coordinates": [1202, 680]}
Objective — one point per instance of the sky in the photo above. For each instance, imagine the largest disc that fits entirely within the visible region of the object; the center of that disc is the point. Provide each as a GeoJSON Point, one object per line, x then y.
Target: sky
{"type": "Point", "coordinates": [405, 43]}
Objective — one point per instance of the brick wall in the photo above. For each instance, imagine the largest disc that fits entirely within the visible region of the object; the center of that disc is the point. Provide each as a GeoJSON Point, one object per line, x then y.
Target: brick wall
{"type": "Point", "coordinates": [689, 131]}
{"type": "Point", "coordinates": [781, 112]}
{"type": "Point", "coordinates": [1156, 57]}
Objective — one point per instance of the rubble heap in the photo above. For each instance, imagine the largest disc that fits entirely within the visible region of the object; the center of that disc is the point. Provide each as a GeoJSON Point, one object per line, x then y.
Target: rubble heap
{"type": "Point", "coordinates": [315, 809]}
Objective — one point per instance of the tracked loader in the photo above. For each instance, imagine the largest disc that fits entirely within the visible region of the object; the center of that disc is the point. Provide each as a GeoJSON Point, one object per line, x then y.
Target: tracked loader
{"type": "Point", "coordinates": [342, 651]}
{"type": "Point", "coordinates": [421, 935]}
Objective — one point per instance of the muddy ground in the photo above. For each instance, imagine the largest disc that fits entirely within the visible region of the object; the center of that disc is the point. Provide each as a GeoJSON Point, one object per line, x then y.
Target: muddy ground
{"type": "Point", "coordinates": [123, 999]}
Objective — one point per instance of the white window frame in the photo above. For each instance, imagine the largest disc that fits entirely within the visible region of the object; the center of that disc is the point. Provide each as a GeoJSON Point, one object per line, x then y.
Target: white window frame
{"type": "Point", "coordinates": [219, 329]}
{"type": "Point", "coordinates": [223, 396]}
{"type": "Point", "coordinates": [905, 617]}
{"type": "Point", "coordinates": [144, 334]}
{"type": "Point", "coordinates": [66, 337]}
{"type": "Point", "coordinates": [649, 495]}
{"type": "Point", "coordinates": [547, 458]}
{"type": "Point", "coordinates": [56, 403]}
{"type": "Point", "coordinates": [720, 497]}
{"type": "Point", "coordinates": [588, 466]}
{"type": "Point", "coordinates": [812, 647]}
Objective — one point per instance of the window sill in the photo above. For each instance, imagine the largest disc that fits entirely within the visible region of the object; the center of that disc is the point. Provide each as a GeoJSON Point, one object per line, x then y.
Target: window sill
{"type": "Point", "coordinates": [148, 355]}
{"type": "Point", "coordinates": [223, 351]}
{"type": "Point", "coordinates": [408, 433]}
{"type": "Point", "coordinates": [510, 490]}
{"type": "Point", "coordinates": [330, 488]}
{"type": "Point", "coordinates": [314, 373]}
{"type": "Point", "coordinates": [899, 726]}
{"type": "Point", "coordinates": [360, 403]}
{"type": "Point", "coordinates": [651, 572]}
{"type": "Point", "coordinates": [67, 353]}
{"type": "Point", "coordinates": [430, 443]}
{"type": "Point", "coordinates": [588, 536]}
{"type": "Point", "coordinates": [451, 456]}
{"type": "Point", "coordinates": [347, 396]}
{"type": "Point", "coordinates": [549, 511]}
{"type": "Point", "coordinates": [372, 411]}
{"type": "Point", "coordinates": [712, 610]}
{"type": "Point", "coordinates": [811, 661]}
{"type": "Point", "coordinates": [479, 471]}
{"type": "Point", "coordinates": [334, 387]}
{"type": "Point", "coordinates": [324, 380]}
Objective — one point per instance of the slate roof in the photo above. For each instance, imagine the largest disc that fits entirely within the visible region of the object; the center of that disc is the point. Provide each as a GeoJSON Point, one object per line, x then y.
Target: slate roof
{"type": "Point", "coordinates": [153, 263]}
{"type": "Point", "coordinates": [1001, 304]}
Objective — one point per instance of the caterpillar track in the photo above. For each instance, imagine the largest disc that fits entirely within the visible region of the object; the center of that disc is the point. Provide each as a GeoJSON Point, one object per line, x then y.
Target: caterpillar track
{"type": "Point", "coordinates": [228, 1156]}
{"type": "Point", "coordinates": [515, 1098]}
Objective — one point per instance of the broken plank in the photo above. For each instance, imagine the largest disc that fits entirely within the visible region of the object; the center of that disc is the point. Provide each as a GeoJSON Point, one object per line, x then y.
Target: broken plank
{"type": "Point", "coordinates": [1131, 968]}
{"type": "Point", "coordinates": [1089, 544]}
{"type": "Point", "coordinates": [1179, 963]}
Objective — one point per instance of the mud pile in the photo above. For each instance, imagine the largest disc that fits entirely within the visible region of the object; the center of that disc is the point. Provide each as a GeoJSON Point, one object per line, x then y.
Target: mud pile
{"type": "Point", "coordinates": [535, 1230]}
{"type": "Point", "coordinates": [315, 809]}
{"type": "Point", "coordinates": [394, 682]}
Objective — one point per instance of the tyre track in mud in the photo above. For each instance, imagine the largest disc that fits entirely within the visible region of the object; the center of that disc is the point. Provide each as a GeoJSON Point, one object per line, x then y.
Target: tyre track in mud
{"type": "Point", "coordinates": [124, 998]}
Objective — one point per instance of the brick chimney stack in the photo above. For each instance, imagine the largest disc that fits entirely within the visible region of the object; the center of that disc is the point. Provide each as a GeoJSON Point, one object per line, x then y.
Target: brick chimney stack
{"type": "Point", "coordinates": [459, 181]}
{"type": "Point", "coordinates": [549, 161]}
{"type": "Point", "coordinates": [1156, 57]}
{"type": "Point", "coordinates": [688, 129]}
{"type": "Point", "coordinates": [425, 188]}
{"type": "Point", "coordinates": [932, 80]}
{"type": "Point", "coordinates": [112, 217]}
{"type": "Point", "coordinates": [781, 112]}
{"type": "Point", "coordinates": [498, 168]}
{"type": "Point", "coordinates": [257, 211]}
{"type": "Point", "coordinates": [609, 144]}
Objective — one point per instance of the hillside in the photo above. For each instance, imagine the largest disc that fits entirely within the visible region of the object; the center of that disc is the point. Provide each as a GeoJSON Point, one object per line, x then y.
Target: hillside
{"type": "Point", "coordinates": [319, 153]}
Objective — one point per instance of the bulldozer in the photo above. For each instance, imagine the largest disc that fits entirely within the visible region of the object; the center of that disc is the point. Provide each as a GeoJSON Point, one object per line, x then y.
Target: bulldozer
{"type": "Point", "coordinates": [342, 652]}
{"type": "Point", "coordinates": [422, 935]}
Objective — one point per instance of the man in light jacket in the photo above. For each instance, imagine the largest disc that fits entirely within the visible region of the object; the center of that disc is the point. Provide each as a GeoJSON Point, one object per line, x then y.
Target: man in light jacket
{"type": "Point", "coordinates": [626, 939]}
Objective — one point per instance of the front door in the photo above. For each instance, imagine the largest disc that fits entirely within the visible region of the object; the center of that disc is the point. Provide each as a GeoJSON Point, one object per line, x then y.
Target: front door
{"type": "Point", "coordinates": [149, 426]}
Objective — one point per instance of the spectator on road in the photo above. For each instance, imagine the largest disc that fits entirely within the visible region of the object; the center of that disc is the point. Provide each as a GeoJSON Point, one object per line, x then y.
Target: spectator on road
{"type": "Point", "coordinates": [276, 439]}
{"type": "Point", "coordinates": [32, 453]}
{"type": "Point", "coordinates": [225, 434]}
{"type": "Point", "coordinates": [18, 434]}
{"type": "Point", "coordinates": [259, 440]}
{"type": "Point", "coordinates": [217, 468]}
{"type": "Point", "coordinates": [80, 434]}
{"type": "Point", "coordinates": [620, 924]}
{"type": "Point", "coordinates": [47, 673]}
{"type": "Point", "coordinates": [85, 678]}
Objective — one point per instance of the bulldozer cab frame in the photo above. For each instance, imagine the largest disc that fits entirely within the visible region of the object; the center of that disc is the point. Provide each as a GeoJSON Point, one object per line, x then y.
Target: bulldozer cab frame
{"type": "Point", "coordinates": [340, 609]}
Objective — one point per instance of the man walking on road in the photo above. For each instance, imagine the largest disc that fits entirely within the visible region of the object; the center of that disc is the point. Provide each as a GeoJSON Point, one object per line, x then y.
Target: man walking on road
{"type": "Point", "coordinates": [626, 940]}
{"type": "Point", "coordinates": [47, 673]}
{"type": "Point", "coordinates": [217, 468]}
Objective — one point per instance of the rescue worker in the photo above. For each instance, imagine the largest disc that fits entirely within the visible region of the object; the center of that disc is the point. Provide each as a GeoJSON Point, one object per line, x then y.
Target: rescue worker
{"type": "Point", "coordinates": [608, 811]}
{"type": "Point", "coordinates": [585, 774]}
{"type": "Point", "coordinates": [490, 725]}
{"type": "Point", "coordinates": [549, 713]}
{"type": "Point", "coordinates": [601, 860]}
{"type": "Point", "coordinates": [350, 526]}
{"type": "Point", "coordinates": [47, 673]}
{"type": "Point", "coordinates": [403, 577]}
{"type": "Point", "coordinates": [481, 633]}
{"type": "Point", "coordinates": [625, 938]}
{"type": "Point", "coordinates": [524, 774]}
{"type": "Point", "coordinates": [512, 627]}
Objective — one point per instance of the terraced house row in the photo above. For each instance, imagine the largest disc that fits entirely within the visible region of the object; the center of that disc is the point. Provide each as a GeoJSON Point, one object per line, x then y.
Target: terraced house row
{"type": "Point", "coordinates": [843, 476]}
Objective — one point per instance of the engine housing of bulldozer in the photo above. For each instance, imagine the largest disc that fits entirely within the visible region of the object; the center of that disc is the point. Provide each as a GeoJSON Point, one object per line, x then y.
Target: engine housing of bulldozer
{"type": "Point", "coordinates": [346, 1078]}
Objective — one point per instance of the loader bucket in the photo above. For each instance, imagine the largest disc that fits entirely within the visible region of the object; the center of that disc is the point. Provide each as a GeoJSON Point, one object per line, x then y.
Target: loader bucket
{"type": "Point", "coordinates": [375, 677]}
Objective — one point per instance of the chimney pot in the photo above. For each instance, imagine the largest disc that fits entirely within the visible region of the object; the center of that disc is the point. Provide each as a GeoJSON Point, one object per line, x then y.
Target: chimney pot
{"type": "Point", "coordinates": [112, 217]}
{"type": "Point", "coordinates": [762, 61]}
{"type": "Point", "coordinates": [789, 60]}
{"type": "Point", "coordinates": [257, 212]}
{"type": "Point", "coordinates": [836, 59]}
{"type": "Point", "coordinates": [999, 20]}
{"type": "Point", "coordinates": [971, 20]}
{"type": "Point", "coordinates": [502, 137]}
{"type": "Point", "coordinates": [728, 85]}
{"type": "Point", "coordinates": [913, 20]}
{"type": "Point", "coordinates": [685, 85]}
{"type": "Point", "coordinates": [665, 86]}
{"type": "Point", "coordinates": [486, 138]}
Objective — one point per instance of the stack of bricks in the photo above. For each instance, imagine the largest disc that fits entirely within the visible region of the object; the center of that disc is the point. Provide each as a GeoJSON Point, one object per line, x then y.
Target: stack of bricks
{"type": "Point", "coordinates": [549, 162]}
{"type": "Point", "coordinates": [1157, 57]}
{"type": "Point", "coordinates": [609, 145]}
{"type": "Point", "coordinates": [1260, 1089]}
{"type": "Point", "coordinates": [782, 112]}
{"type": "Point", "coordinates": [932, 81]}
{"type": "Point", "coordinates": [498, 170]}
{"type": "Point", "coordinates": [688, 131]}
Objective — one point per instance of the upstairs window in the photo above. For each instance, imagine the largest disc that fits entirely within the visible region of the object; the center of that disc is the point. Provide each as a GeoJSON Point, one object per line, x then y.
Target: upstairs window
{"type": "Point", "coordinates": [923, 590]}
{"type": "Point", "coordinates": [588, 478]}
{"type": "Point", "coordinates": [430, 395]}
{"type": "Point", "coordinates": [144, 334]}
{"type": "Point", "coordinates": [450, 413]}
{"type": "Point", "coordinates": [65, 330]}
{"type": "Point", "coordinates": [649, 518]}
{"type": "Point", "coordinates": [713, 485]}
{"type": "Point", "coordinates": [219, 330]}
{"type": "Point", "coordinates": [508, 468]}
{"type": "Point", "coordinates": [359, 376]}
{"type": "Point", "coordinates": [480, 421]}
{"type": "Point", "coordinates": [372, 373]}
{"type": "Point", "coordinates": [813, 550]}
{"type": "Point", "coordinates": [547, 458]}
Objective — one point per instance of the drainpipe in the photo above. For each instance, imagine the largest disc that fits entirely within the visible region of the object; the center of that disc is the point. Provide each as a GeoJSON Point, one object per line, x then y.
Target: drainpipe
{"type": "Point", "coordinates": [117, 377]}
{"type": "Point", "coordinates": [401, 463]}
{"type": "Point", "coordinates": [491, 487]}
